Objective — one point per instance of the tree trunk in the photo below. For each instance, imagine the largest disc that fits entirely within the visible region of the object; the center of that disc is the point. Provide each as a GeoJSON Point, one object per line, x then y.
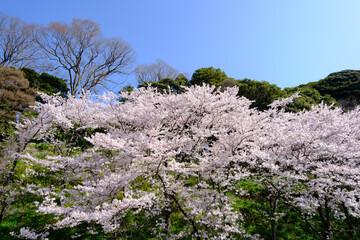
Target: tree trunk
{"type": "Point", "coordinates": [273, 203]}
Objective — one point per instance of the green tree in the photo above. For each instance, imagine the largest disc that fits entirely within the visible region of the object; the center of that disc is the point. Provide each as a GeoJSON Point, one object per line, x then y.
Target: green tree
{"type": "Point", "coordinates": [229, 82]}
{"type": "Point", "coordinates": [169, 84]}
{"type": "Point", "coordinates": [46, 83]}
{"type": "Point", "coordinates": [263, 93]}
{"type": "Point", "coordinates": [182, 80]}
{"type": "Point", "coordinates": [308, 97]}
{"type": "Point", "coordinates": [210, 75]}
{"type": "Point", "coordinates": [127, 88]}
{"type": "Point", "coordinates": [344, 86]}
{"type": "Point", "coordinates": [165, 85]}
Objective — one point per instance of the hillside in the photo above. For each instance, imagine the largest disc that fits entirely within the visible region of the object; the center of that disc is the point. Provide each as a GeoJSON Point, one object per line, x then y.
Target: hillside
{"type": "Point", "coordinates": [344, 86]}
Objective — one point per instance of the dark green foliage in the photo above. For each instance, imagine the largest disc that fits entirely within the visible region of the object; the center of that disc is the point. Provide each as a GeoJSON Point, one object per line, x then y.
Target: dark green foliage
{"type": "Point", "coordinates": [264, 211]}
{"type": "Point", "coordinates": [46, 83]}
{"type": "Point", "coordinates": [6, 128]}
{"type": "Point", "coordinates": [344, 86]}
{"type": "Point", "coordinates": [210, 75]}
{"type": "Point", "coordinates": [75, 137]}
{"type": "Point", "coordinates": [309, 97]}
{"type": "Point", "coordinates": [167, 85]}
{"type": "Point", "coordinates": [182, 80]}
{"type": "Point", "coordinates": [263, 93]}
{"type": "Point", "coordinates": [229, 82]}
{"type": "Point", "coordinates": [127, 88]}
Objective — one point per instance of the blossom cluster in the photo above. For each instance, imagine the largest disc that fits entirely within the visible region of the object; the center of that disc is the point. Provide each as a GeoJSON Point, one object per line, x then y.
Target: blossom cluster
{"type": "Point", "coordinates": [156, 154]}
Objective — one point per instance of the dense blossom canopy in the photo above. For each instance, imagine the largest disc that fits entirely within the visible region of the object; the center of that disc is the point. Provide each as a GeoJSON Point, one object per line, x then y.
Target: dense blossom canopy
{"type": "Point", "coordinates": [156, 154]}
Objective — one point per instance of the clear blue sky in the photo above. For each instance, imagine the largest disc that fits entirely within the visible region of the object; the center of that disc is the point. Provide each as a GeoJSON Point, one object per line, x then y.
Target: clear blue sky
{"type": "Point", "coordinates": [284, 42]}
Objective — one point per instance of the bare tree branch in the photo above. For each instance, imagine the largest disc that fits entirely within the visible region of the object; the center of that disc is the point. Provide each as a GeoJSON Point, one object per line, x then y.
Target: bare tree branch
{"type": "Point", "coordinates": [17, 47]}
{"type": "Point", "coordinates": [87, 58]}
{"type": "Point", "coordinates": [155, 72]}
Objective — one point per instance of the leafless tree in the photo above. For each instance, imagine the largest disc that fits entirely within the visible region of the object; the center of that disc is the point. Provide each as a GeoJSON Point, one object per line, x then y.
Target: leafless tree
{"type": "Point", "coordinates": [86, 57]}
{"type": "Point", "coordinates": [17, 47]}
{"type": "Point", "coordinates": [155, 72]}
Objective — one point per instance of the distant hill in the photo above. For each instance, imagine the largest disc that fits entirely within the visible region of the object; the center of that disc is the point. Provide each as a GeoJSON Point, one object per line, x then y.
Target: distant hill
{"type": "Point", "coordinates": [344, 86]}
{"type": "Point", "coordinates": [338, 88]}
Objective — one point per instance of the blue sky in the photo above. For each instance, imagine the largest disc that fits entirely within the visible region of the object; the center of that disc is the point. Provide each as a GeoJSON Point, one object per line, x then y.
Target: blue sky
{"type": "Point", "coordinates": [284, 42]}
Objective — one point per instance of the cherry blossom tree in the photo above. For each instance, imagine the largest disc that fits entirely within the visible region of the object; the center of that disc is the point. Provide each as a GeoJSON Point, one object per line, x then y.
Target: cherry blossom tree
{"type": "Point", "coordinates": [27, 130]}
{"type": "Point", "coordinates": [311, 160]}
{"type": "Point", "coordinates": [155, 154]}
{"type": "Point", "coordinates": [166, 158]}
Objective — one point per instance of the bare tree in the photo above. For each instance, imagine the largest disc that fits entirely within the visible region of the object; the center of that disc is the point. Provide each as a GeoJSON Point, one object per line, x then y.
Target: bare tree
{"type": "Point", "coordinates": [87, 58]}
{"type": "Point", "coordinates": [155, 72]}
{"type": "Point", "coordinates": [17, 47]}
